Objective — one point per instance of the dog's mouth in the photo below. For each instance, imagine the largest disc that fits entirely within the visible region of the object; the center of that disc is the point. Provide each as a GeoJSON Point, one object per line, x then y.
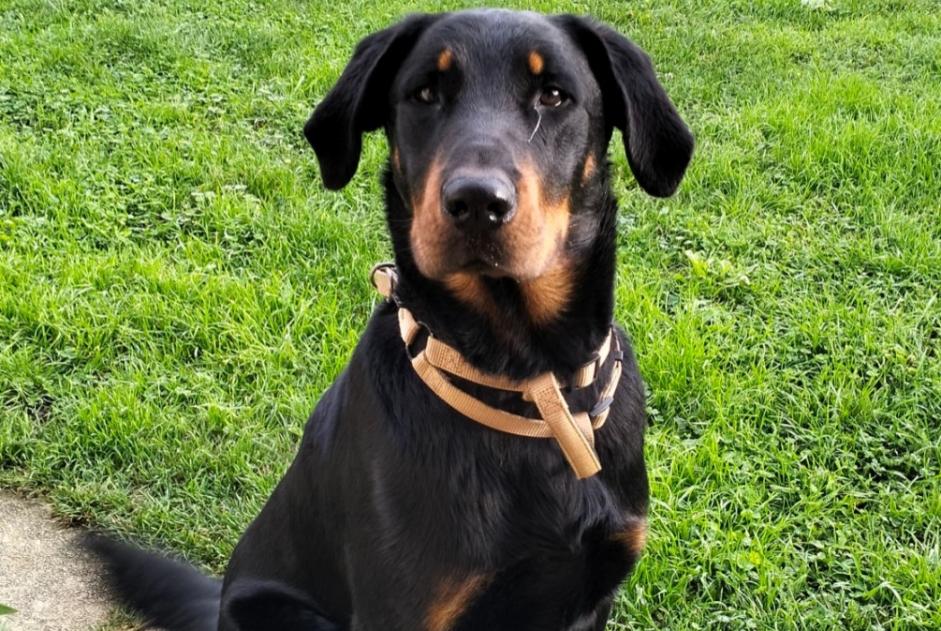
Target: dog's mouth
{"type": "Point", "coordinates": [492, 255]}
{"type": "Point", "coordinates": [484, 268]}
{"type": "Point", "coordinates": [484, 257]}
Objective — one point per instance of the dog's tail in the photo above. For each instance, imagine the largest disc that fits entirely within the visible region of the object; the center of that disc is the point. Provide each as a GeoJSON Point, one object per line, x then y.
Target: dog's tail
{"type": "Point", "coordinates": [167, 593]}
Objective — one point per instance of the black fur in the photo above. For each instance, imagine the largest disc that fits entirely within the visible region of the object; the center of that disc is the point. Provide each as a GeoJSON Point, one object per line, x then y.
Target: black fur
{"type": "Point", "coordinates": [658, 144]}
{"type": "Point", "coordinates": [168, 593]}
{"type": "Point", "coordinates": [358, 103]}
{"type": "Point", "coordinates": [394, 498]}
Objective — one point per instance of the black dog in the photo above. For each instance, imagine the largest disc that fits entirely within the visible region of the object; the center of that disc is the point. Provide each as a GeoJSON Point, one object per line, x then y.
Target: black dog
{"type": "Point", "coordinates": [399, 513]}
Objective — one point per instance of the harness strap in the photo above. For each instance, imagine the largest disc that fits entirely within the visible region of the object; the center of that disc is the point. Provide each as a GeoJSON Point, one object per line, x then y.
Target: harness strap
{"type": "Point", "coordinates": [573, 432]}
{"type": "Point", "coordinates": [476, 409]}
{"type": "Point", "coordinates": [447, 358]}
{"type": "Point", "coordinates": [607, 395]}
{"type": "Point", "coordinates": [586, 375]}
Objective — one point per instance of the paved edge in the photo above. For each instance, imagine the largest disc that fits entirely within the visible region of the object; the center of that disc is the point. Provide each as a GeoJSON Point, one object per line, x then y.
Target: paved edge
{"type": "Point", "coordinates": [44, 575]}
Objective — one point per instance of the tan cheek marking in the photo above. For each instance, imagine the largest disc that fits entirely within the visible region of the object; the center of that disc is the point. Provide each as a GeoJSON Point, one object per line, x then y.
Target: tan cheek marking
{"type": "Point", "coordinates": [634, 535]}
{"type": "Point", "coordinates": [589, 168]}
{"type": "Point", "coordinates": [536, 63]}
{"type": "Point", "coordinates": [524, 235]}
{"type": "Point", "coordinates": [445, 59]}
{"type": "Point", "coordinates": [527, 230]}
{"type": "Point", "coordinates": [548, 295]}
{"type": "Point", "coordinates": [540, 227]}
{"type": "Point", "coordinates": [451, 601]}
{"type": "Point", "coordinates": [537, 236]}
{"type": "Point", "coordinates": [427, 222]}
{"type": "Point", "coordinates": [395, 159]}
{"type": "Point", "coordinates": [470, 289]}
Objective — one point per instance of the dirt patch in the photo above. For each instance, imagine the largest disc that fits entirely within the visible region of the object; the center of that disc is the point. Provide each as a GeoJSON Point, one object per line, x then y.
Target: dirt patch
{"type": "Point", "coordinates": [43, 575]}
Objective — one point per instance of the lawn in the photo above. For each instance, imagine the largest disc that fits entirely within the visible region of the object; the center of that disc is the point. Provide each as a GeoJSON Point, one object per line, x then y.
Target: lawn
{"type": "Point", "coordinates": [177, 289]}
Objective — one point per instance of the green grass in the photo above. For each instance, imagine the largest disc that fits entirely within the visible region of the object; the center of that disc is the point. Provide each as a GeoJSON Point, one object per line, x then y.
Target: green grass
{"type": "Point", "coordinates": [176, 289]}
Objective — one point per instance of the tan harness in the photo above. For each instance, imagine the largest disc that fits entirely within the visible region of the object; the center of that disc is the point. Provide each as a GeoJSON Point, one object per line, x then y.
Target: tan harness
{"type": "Point", "coordinates": [573, 432]}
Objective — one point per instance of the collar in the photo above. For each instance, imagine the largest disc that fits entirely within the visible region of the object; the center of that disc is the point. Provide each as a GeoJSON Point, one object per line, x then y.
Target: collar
{"type": "Point", "coordinates": [573, 432]}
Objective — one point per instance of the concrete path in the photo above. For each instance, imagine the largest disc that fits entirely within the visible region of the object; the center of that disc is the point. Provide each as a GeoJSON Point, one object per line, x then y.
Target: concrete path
{"type": "Point", "coordinates": [52, 586]}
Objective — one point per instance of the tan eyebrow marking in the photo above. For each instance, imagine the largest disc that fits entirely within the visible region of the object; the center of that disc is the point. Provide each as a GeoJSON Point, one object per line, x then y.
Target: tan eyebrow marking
{"type": "Point", "coordinates": [536, 63]}
{"type": "Point", "coordinates": [445, 59]}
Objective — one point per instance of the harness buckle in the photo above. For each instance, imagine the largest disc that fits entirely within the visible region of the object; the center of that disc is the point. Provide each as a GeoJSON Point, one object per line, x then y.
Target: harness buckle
{"type": "Point", "coordinates": [384, 278]}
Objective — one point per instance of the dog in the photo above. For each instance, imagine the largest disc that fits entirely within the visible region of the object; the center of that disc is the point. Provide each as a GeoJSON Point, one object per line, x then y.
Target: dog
{"type": "Point", "coordinates": [479, 463]}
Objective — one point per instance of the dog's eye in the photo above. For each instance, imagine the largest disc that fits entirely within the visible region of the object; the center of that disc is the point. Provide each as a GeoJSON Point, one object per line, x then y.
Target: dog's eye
{"type": "Point", "coordinates": [426, 95]}
{"type": "Point", "coordinates": [552, 97]}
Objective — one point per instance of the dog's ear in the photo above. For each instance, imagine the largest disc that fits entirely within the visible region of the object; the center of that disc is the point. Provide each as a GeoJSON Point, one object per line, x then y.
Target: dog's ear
{"type": "Point", "coordinates": [658, 143]}
{"type": "Point", "coordinates": [359, 102]}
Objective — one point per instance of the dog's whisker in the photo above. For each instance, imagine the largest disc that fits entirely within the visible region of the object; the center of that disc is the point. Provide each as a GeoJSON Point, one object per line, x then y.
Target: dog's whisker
{"type": "Point", "coordinates": [536, 128]}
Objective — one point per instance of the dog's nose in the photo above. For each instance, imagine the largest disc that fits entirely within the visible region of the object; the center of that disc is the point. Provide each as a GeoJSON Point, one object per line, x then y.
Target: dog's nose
{"type": "Point", "coordinates": [478, 204]}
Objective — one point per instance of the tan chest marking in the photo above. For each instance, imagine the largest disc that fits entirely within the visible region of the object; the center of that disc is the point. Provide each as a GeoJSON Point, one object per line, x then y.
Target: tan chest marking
{"type": "Point", "coordinates": [452, 599]}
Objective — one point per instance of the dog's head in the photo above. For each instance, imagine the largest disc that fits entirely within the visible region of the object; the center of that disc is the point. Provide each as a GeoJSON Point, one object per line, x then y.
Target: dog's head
{"type": "Point", "coordinates": [498, 125]}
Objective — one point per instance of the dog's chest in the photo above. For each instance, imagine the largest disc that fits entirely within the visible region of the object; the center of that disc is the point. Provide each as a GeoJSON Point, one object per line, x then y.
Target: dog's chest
{"type": "Point", "coordinates": [557, 559]}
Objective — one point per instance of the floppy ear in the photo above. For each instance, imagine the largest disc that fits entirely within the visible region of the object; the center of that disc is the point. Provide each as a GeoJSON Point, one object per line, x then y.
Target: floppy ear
{"type": "Point", "coordinates": [359, 102]}
{"type": "Point", "coordinates": [658, 143]}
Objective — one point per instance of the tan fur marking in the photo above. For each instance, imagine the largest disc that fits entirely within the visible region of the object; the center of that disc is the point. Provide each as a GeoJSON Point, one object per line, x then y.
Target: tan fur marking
{"type": "Point", "coordinates": [588, 169]}
{"type": "Point", "coordinates": [451, 601]}
{"type": "Point", "coordinates": [538, 232]}
{"type": "Point", "coordinates": [470, 289]}
{"type": "Point", "coordinates": [536, 63]}
{"type": "Point", "coordinates": [428, 224]}
{"type": "Point", "coordinates": [536, 239]}
{"type": "Point", "coordinates": [634, 535]}
{"type": "Point", "coordinates": [547, 296]}
{"type": "Point", "coordinates": [445, 59]}
{"type": "Point", "coordinates": [396, 163]}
